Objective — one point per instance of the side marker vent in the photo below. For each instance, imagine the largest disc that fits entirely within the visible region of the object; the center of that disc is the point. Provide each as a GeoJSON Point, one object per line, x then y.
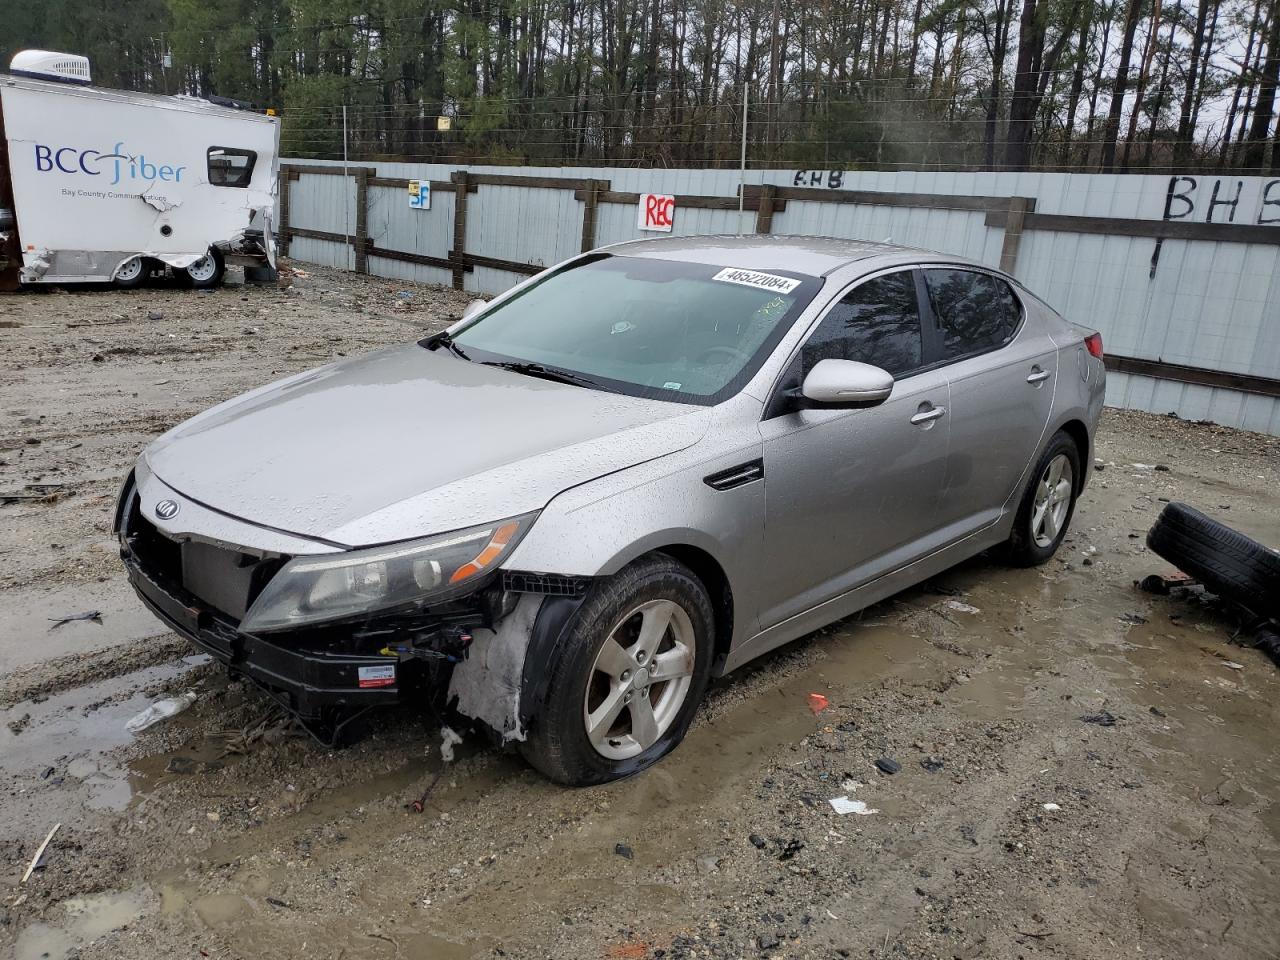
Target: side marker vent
{"type": "Point", "coordinates": [743, 473]}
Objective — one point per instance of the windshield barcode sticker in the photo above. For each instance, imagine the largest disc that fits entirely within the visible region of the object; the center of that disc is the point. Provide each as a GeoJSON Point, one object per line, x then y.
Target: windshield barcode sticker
{"type": "Point", "coordinates": [750, 278]}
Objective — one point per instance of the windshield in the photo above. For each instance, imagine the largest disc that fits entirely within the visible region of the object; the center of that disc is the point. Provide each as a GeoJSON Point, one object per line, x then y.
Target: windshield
{"type": "Point", "coordinates": [654, 328]}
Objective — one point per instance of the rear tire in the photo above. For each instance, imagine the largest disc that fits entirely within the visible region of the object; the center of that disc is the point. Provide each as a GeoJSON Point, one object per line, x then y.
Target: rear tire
{"type": "Point", "coordinates": [206, 272]}
{"type": "Point", "coordinates": [1228, 563]}
{"type": "Point", "coordinates": [604, 716]}
{"type": "Point", "coordinates": [1048, 504]}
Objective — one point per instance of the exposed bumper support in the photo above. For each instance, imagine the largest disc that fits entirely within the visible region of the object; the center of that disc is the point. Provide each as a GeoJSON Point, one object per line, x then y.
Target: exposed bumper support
{"type": "Point", "coordinates": [311, 681]}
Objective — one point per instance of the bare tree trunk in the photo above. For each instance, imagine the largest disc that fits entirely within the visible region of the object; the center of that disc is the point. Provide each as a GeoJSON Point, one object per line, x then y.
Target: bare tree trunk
{"type": "Point", "coordinates": [1112, 128]}
{"type": "Point", "coordinates": [1241, 82]}
{"type": "Point", "coordinates": [1144, 72]}
{"type": "Point", "coordinates": [1160, 90]}
{"type": "Point", "coordinates": [1186, 126]}
{"type": "Point", "coordinates": [1206, 58]}
{"type": "Point", "coordinates": [1077, 81]}
{"type": "Point", "coordinates": [1255, 148]}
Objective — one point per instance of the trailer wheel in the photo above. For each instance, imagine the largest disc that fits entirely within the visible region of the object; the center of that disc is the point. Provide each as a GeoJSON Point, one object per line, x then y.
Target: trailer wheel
{"type": "Point", "coordinates": [132, 273]}
{"type": "Point", "coordinates": [207, 271]}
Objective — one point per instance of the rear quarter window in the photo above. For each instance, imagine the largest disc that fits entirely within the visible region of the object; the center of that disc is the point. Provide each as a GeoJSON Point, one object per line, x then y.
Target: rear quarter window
{"type": "Point", "coordinates": [229, 167]}
{"type": "Point", "coordinates": [976, 312]}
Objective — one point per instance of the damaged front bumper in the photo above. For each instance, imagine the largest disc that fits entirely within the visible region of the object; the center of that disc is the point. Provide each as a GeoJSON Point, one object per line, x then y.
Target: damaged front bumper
{"type": "Point", "coordinates": [487, 651]}
{"type": "Point", "coordinates": [201, 589]}
{"type": "Point", "coordinates": [310, 682]}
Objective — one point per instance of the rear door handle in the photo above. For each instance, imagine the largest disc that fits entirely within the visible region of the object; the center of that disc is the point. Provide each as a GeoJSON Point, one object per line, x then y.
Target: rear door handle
{"type": "Point", "coordinates": [927, 416]}
{"type": "Point", "coordinates": [1038, 376]}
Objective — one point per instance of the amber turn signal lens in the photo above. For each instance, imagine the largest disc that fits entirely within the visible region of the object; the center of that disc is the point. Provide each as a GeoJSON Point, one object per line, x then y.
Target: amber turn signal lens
{"type": "Point", "coordinates": [492, 550]}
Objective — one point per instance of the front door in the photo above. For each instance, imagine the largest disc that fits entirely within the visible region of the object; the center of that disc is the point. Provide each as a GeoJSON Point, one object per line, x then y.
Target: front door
{"type": "Point", "coordinates": [852, 494]}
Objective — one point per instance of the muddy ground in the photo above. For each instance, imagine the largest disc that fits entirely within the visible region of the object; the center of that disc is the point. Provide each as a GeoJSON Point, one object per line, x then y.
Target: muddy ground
{"type": "Point", "coordinates": [1087, 771]}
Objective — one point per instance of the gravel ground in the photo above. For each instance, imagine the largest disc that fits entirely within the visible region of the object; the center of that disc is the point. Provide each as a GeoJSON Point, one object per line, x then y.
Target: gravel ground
{"type": "Point", "coordinates": [1083, 770]}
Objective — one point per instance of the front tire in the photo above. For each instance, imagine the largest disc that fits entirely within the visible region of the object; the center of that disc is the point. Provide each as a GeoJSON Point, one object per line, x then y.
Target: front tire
{"type": "Point", "coordinates": [635, 664]}
{"type": "Point", "coordinates": [132, 273]}
{"type": "Point", "coordinates": [1048, 504]}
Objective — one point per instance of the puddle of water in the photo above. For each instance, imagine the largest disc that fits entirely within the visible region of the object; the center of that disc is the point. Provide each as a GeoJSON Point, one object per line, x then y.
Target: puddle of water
{"type": "Point", "coordinates": [29, 612]}
{"type": "Point", "coordinates": [87, 919]}
{"type": "Point", "coordinates": [74, 730]}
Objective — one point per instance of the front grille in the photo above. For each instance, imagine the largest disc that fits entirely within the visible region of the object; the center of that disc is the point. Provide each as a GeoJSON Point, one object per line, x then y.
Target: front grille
{"type": "Point", "coordinates": [223, 579]}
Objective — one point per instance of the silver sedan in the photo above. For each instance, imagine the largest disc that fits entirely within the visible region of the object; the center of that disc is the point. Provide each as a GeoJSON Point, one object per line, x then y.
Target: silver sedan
{"type": "Point", "coordinates": [636, 471]}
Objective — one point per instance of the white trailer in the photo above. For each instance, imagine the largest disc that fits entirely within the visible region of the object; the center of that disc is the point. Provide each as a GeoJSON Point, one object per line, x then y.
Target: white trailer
{"type": "Point", "coordinates": [106, 185]}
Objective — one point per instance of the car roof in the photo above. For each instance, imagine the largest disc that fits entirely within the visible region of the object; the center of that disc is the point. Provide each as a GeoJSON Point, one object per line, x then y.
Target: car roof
{"type": "Point", "coordinates": [815, 256]}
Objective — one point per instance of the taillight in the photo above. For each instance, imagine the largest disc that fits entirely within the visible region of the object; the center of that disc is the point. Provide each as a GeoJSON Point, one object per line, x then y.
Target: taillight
{"type": "Point", "coordinates": [1093, 343]}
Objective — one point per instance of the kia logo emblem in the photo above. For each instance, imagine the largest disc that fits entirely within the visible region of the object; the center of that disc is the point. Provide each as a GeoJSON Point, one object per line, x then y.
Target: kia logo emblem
{"type": "Point", "coordinates": [167, 509]}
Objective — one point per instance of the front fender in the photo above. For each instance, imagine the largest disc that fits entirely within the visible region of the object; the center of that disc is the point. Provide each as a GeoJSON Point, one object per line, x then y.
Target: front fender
{"type": "Point", "coordinates": [597, 529]}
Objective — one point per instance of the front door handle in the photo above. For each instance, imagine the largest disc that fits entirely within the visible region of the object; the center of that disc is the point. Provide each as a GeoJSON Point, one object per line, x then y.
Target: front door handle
{"type": "Point", "coordinates": [928, 416]}
{"type": "Point", "coordinates": [1038, 376]}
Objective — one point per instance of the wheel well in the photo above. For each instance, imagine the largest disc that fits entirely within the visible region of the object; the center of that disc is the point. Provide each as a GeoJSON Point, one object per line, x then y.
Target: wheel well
{"type": "Point", "coordinates": [1078, 432]}
{"type": "Point", "coordinates": [707, 569]}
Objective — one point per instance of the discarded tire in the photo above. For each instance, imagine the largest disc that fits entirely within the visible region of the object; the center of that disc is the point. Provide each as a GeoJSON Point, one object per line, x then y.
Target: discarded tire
{"type": "Point", "coordinates": [1267, 639]}
{"type": "Point", "coordinates": [1225, 561]}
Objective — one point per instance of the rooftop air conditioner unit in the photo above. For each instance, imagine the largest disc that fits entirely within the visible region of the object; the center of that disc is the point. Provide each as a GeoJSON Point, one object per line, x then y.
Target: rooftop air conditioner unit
{"type": "Point", "coordinates": [48, 65]}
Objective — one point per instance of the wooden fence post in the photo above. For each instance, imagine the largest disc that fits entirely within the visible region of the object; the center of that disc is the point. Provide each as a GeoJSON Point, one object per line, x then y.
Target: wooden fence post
{"type": "Point", "coordinates": [362, 221]}
{"type": "Point", "coordinates": [458, 253]}
{"type": "Point", "coordinates": [764, 214]}
{"type": "Point", "coordinates": [282, 228]}
{"type": "Point", "coordinates": [1012, 233]}
{"type": "Point", "coordinates": [591, 212]}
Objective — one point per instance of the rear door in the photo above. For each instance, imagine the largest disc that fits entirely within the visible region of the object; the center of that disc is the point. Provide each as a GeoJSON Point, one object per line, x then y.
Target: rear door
{"type": "Point", "coordinates": [1002, 369]}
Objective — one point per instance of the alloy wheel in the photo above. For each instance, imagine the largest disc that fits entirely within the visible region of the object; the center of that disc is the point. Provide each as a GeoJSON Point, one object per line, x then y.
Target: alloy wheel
{"type": "Point", "coordinates": [1053, 500]}
{"type": "Point", "coordinates": [640, 679]}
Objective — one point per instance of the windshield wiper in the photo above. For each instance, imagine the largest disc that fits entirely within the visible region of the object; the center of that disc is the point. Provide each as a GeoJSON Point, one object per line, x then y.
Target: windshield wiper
{"type": "Point", "coordinates": [443, 339]}
{"type": "Point", "coordinates": [545, 373]}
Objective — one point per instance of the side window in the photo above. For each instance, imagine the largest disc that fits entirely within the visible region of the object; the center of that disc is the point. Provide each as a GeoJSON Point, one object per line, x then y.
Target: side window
{"type": "Point", "coordinates": [976, 312]}
{"type": "Point", "coordinates": [878, 322]}
{"type": "Point", "coordinates": [229, 167]}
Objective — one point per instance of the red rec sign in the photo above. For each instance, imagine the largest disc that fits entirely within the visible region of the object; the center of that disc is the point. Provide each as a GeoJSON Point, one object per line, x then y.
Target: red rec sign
{"type": "Point", "coordinates": [657, 212]}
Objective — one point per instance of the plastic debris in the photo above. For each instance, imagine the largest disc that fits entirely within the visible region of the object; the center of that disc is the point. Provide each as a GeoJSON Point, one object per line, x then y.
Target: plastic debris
{"type": "Point", "coordinates": [961, 607]}
{"type": "Point", "coordinates": [888, 765]}
{"type": "Point", "coordinates": [818, 703]}
{"type": "Point", "coordinates": [160, 710]}
{"type": "Point", "coordinates": [1102, 719]}
{"type": "Point", "coordinates": [449, 739]}
{"type": "Point", "coordinates": [622, 850]}
{"type": "Point", "coordinates": [94, 616]}
{"type": "Point", "coordinates": [1051, 807]}
{"type": "Point", "coordinates": [844, 806]}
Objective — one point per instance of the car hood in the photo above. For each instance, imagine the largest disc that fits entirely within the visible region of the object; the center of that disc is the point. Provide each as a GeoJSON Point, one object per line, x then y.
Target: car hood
{"type": "Point", "coordinates": [407, 442]}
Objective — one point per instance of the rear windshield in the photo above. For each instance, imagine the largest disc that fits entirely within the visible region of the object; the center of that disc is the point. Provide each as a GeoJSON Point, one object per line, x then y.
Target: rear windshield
{"type": "Point", "coordinates": [654, 328]}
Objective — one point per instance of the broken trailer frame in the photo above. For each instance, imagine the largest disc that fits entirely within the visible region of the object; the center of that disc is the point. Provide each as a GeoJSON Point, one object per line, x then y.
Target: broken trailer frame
{"type": "Point", "coordinates": [103, 185]}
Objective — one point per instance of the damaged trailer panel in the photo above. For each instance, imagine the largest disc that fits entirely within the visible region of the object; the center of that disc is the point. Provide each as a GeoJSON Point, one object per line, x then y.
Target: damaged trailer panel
{"type": "Point", "coordinates": [101, 178]}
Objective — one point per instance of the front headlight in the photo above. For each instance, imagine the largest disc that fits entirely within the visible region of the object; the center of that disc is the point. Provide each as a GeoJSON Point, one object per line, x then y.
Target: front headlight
{"type": "Point", "coordinates": [311, 590]}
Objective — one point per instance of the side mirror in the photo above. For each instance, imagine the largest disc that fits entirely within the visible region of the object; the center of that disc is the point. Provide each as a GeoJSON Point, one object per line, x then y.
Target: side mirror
{"type": "Point", "coordinates": [474, 307]}
{"type": "Point", "coordinates": [846, 383]}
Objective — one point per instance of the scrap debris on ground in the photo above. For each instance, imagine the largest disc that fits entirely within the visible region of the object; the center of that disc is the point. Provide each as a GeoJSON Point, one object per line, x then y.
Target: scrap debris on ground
{"type": "Point", "coordinates": [1000, 763]}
